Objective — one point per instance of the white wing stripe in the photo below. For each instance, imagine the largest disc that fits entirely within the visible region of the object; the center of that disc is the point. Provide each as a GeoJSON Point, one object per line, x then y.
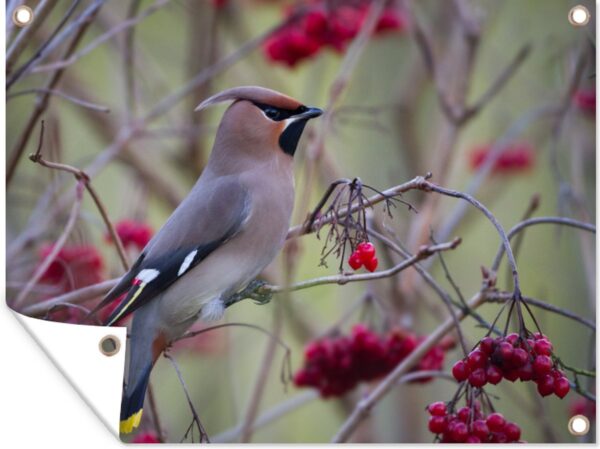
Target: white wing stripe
{"type": "Point", "coordinates": [187, 262]}
{"type": "Point", "coordinates": [147, 275]}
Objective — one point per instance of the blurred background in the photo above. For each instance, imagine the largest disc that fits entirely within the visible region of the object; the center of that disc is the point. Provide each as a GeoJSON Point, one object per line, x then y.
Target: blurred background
{"type": "Point", "coordinates": [496, 98]}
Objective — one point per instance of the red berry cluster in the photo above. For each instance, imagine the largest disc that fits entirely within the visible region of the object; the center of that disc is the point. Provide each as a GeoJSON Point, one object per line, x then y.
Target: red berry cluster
{"type": "Point", "coordinates": [470, 425]}
{"type": "Point", "coordinates": [363, 255]}
{"type": "Point", "coordinates": [585, 100]}
{"type": "Point", "coordinates": [75, 266]}
{"type": "Point", "coordinates": [325, 26]}
{"type": "Point", "coordinates": [133, 233]}
{"type": "Point", "coordinates": [515, 158]}
{"type": "Point", "coordinates": [336, 365]}
{"type": "Point", "coordinates": [513, 358]}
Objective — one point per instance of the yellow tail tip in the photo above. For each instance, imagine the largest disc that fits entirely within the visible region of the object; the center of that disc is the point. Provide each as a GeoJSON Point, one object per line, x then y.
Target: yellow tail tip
{"type": "Point", "coordinates": [127, 425]}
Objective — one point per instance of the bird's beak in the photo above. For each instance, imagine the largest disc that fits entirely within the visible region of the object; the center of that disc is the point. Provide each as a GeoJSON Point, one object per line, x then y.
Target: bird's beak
{"type": "Point", "coordinates": [307, 115]}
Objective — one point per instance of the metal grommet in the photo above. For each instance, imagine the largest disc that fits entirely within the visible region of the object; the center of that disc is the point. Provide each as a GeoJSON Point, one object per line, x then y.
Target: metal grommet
{"type": "Point", "coordinates": [109, 345]}
{"type": "Point", "coordinates": [579, 16]}
{"type": "Point", "coordinates": [579, 425]}
{"type": "Point", "coordinates": [22, 16]}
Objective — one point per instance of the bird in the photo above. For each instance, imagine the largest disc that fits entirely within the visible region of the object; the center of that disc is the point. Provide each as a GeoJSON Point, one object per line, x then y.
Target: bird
{"type": "Point", "coordinates": [223, 234]}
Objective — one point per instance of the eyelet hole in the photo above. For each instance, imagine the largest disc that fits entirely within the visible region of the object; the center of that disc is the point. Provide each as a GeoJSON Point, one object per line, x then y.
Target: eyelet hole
{"type": "Point", "coordinates": [109, 345]}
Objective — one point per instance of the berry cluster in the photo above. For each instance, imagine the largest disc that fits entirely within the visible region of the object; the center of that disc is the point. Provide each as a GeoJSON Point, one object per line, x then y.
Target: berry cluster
{"type": "Point", "coordinates": [133, 233]}
{"type": "Point", "coordinates": [336, 365]}
{"type": "Point", "coordinates": [325, 26]}
{"type": "Point", "coordinates": [470, 425]}
{"type": "Point", "coordinates": [363, 255]}
{"type": "Point", "coordinates": [513, 358]}
{"type": "Point", "coordinates": [75, 266]}
{"type": "Point", "coordinates": [513, 159]}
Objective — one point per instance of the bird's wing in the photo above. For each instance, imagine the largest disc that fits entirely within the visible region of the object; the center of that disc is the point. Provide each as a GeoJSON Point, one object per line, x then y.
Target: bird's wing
{"type": "Point", "coordinates": [179, 246]}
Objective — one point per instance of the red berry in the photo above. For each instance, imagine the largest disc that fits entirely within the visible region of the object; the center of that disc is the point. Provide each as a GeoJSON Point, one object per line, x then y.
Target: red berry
{"type": "Point", "coordinates": [437, 409]}
{"type": "Point", "coordinates": [487, 345]}
{"type": "Point", "coordinates": [366, 250]}
{"type": "Point", "coordinates": [499, 437]}
{"type": "Point", "coordinates": [480, 429]}
{"type": "Point", "coordinates": [561, 387]}
{"type": "Point", "coordinates": [477, 378]}
{"type": "Point", "coordinates": [355, 261]}
{"type": "Point", "coordinates": [512, 431]}
{"type": "Point", "coordinates": [512, 338]}
{"type": "Point", "coordinates": [495, 422]}
{"type": "Point", "coordinates": [437, 424]}
{"type": "Point", "coordinates": [472, 439]}
{"type": "Point", "coordinates": [463, 414]}
{"type": "Point", "coordinates": [519, 357]}
{"type": "Point", "coordinates": [493, 374]}
{"type": "Point", "coordinates": [542, 364]}
{"type": "Point", "coordinates": [504, 351]}
{"type": "Point", "coordinates": [526, 372]}
{"type": "Point", "coordinates": [542, 347]}
{"type": "Point", "coordinates": [459, 432]}
{"type": "Point", "coordinates": [476, 359]}
{"type": "Point", "coordinates": [511, 374]}
{"type": "Point", "coordinates": [460, 371]}
{"type": "Point", "coordinates": [545, 385]}
{"type": "Point", "coordinates": [371, 264]}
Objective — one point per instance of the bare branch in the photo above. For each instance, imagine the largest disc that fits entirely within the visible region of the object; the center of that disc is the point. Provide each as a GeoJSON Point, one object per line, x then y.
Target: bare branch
{"type": "Point", "coordinates": [43, 267]}
{"type": "Point", "coordinates": [541, 220]}
{"type": "Point", "coordinates": [72, 99]}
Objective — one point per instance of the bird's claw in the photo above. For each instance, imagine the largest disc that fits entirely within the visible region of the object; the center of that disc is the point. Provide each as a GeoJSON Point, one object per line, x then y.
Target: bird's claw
{"type": "Point", "coordinates": [253, 292]}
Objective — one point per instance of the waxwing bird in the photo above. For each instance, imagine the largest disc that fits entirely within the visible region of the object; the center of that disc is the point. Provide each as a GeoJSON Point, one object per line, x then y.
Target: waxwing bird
{"type": "Point", "coordinates": [223, 234]}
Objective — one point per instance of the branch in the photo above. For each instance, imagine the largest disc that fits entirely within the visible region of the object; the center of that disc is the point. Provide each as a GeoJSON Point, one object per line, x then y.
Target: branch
{"type": "Point", "coordinates": [77, 101]}
{"type": "Point", "coordinates": [541, 220]}
{"type": "Point", "coordinates": [74, 297]}
{"type": "Point", "coordinates": [504, 297]}
{"type": "Point", "coordinates": [43, 267]}
{"type": "Point", "coordinates": [81, 176]}
{"type": "Point", "coordinates": [24, 37]}
{"type": "Point", "coordinates": [342, 279]}
{"type": "Point", "coordinates": [42, 100]}
{"type": "Point", "coordinates": [203, 435]}
{"type": "Point", "coordinates": [101, 39]}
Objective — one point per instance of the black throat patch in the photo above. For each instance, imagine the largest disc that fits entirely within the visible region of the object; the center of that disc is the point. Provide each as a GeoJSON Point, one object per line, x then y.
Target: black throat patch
{"type": "Point", "coordinates": [288, 141]}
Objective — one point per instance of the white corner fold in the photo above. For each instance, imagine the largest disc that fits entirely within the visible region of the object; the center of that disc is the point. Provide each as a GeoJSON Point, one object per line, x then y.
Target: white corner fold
{"type": "Point", "coordinates": [74, 349]}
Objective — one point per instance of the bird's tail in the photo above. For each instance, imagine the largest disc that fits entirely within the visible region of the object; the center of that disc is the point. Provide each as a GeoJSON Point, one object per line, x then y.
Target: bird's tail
{"type": "Point", "coordinates": [133, 401]}
{"type": "Point", "coordinates": [145, 347]}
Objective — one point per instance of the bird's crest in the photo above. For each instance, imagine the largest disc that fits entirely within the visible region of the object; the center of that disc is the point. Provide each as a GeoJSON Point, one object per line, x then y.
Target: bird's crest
{"type": "Point", "coordinates": [255, 94]}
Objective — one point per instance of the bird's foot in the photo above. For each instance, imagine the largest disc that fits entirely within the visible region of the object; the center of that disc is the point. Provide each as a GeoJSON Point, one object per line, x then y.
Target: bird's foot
{"type": "Point", "coordinates": [254, 291]}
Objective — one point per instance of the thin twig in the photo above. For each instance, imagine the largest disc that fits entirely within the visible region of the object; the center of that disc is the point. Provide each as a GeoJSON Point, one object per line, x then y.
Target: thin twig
{"type": "Point", "coordinates": [342, 279]}
{"type": "Point", "coordinates": [504, 297]}
{"type": "Point", "coordinates": [43, 267]}
{"type": "Point", "coordinates": [72, 99]}
{"type": "Point", "coordinates": [81, 176]}
{"type": "Point", "coordinates": [24, 37]}
{"type": "Point", "coordinates": [42, 100]}
{"type": "Point", "coordinates": [74, 297]}
{"type": "Point", "coordinates": [203, 435]}
{"type": "Point", "coordinates": [57, 65]}
{"type": "Point", "coordinates": [563, 221]}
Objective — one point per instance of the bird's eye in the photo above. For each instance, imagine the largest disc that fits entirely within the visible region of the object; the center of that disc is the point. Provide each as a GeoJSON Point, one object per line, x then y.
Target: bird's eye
{"type": "Point", "coordinates": [301, 109]}
{"type": "Point", "coordinates": [272, 113]}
